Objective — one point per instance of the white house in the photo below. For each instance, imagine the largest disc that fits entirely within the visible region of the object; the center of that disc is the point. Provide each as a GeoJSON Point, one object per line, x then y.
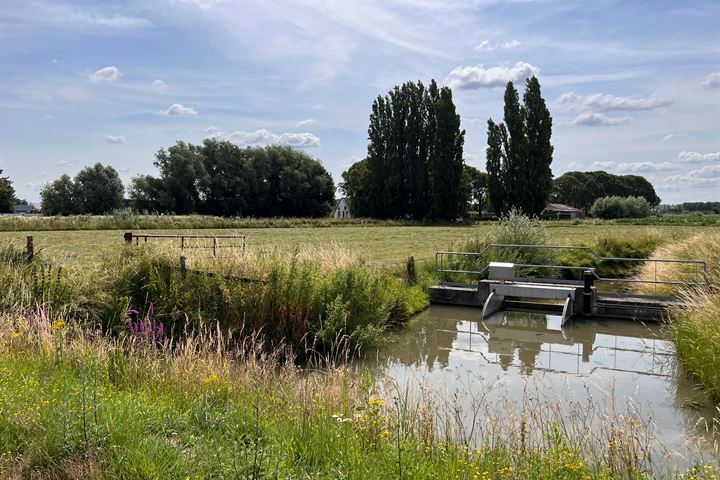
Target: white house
{"type": "Point", "coordinates": [342, 209]}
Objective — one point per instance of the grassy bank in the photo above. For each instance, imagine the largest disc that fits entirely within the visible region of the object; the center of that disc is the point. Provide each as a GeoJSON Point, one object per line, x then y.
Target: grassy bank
{"type": "Point", "coordinates": [312, 299]}
{"type": "Point", "coordinates": [696, 325]}
{"type": "Point", "coordinates": [77, 404]}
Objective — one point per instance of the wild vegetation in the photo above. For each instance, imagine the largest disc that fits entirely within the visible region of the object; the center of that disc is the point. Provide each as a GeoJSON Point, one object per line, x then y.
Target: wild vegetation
{"type": "Point", "coordinates": [620, 207]}
{"type": "Point", "coordinates": [79, 404]}
{"type": "Point", "coordinates": [694, 324]}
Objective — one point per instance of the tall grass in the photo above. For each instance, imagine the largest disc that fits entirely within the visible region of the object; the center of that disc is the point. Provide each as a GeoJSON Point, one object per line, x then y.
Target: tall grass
{"type": "Point", "coordinates": [695, 325]}
{"type": "Point", "coordinates": [78, 404]}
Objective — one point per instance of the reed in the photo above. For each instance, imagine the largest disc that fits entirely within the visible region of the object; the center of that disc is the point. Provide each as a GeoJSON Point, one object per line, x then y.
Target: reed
{"type": "Point", "coordinates": [79, 404]}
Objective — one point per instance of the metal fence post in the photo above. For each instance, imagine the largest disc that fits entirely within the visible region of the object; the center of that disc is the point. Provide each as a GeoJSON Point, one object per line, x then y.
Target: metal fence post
{"type": "Point", "coordinates": [30, 249]}
{"type": "Point", "coordinates": [588, 282]}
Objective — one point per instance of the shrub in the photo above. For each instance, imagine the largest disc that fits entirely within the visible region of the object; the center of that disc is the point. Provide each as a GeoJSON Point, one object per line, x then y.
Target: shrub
{"type": "Point", "coordinates": [620, 207]}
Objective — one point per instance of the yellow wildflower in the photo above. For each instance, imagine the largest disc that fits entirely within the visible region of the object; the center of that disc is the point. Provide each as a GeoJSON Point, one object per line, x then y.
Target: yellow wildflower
{"type": "Point", "coordinates": [58, 325]}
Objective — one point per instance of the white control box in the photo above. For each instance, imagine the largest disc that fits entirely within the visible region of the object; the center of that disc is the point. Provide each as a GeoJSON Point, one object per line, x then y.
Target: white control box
{"type": "Point", "coordinates": [501, 271]}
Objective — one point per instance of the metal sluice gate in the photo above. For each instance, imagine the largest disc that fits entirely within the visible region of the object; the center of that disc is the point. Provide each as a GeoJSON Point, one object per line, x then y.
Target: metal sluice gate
{"type": "Point", "coordinates": [574, 291]}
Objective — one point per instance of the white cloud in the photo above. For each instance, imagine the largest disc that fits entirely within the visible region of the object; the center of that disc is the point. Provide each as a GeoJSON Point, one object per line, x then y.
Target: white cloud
{"type": "Point", "coordinates": [592, 119]}
{"type": "Point", "coordinates": [633, 167]}
{"type": "Point", "coordinates": [695, 157]}
{"type": "Point", "coordinates": [265, 137]}
{"type": "Point", "coordinates": [107, 74]}
{"type": "Point", "coordinates": [712, 80]}
{"type": "Point", "coordinates": [114, 139]}
{"type": "Point", "coordinates": [318, 106]}
{"type": "Point", "coordinates": [63, 163]}
{"type": "Point", "coordinates": [675, 136]}
{"type": "Point", "coordinates": [177, 110]}
{"type": "Point", "coordinates": [474, 77]}
{"type": "Point", "coordinates": [204, 4]}
{"type": "Point", "coordinates": [488, 46]}
{"type": "Point", "coordinates": [114, 21]}
{"type": "Point", "coordinates": [707, 176]}
{"type": "Point", "coordinates": [158, 84]}
{"type": "Point", "coordinates": [306, 123]}
{"type": "Point", "coordinates": [599, 102]}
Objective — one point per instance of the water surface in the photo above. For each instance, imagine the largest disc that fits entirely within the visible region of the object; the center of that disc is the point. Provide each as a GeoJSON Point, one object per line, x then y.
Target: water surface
{"type": "Point", "coordinates": [453, 353]}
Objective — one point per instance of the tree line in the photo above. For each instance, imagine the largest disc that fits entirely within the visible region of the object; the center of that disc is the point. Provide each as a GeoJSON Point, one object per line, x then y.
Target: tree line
{"type": "Point", "coordinates": [220, 178]}
{"type": "Point", "coordinates": [414, 165]}
{"type": "Point", "coordinates": [582, 189]}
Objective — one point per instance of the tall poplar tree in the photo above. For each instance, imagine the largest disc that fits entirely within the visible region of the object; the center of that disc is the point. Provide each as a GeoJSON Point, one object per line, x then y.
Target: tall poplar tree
{"type": "Point", "coordinates": [519, 153]}
{"type": "Point", "coordinates": [538, 128]}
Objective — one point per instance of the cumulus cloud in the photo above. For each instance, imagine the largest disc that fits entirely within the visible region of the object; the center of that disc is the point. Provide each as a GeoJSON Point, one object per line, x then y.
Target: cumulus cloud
{"type": "Point", "coordinates": [177, 110]}
{"type": "Point", "coordinates": [265, 137]}
{"type": "Point", "coordinates": [695, 157]}
{"type": "Point", "coordinates": [592, 119]}
{"type": "Point", "coordinates": [633, 167]}
{"type": "Point", "coordinates": [474, 77]}
{"type": "Point", "coordinates": [114, 139]}
{"type": "Point", "coordinates": [599, 102]}
{"type": "Point", "coordinates": [107, 74]}
{"type": "Point", "coordinates": [158, 84]}
{"type": "Point", "coordinates": [712, 80]}
{"type": "Point", "coordinates": [306, 123]}
{"type": "Point", "coordinates": [488, 46]}
{"type": "Point", "coordinates": [707, 176]}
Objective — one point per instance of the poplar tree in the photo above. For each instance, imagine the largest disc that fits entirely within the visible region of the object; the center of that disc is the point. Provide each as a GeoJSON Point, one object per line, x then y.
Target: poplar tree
{"type": "Point", "coordinates": [519, 153]}
{"type": "Point", "coordinates": [538, 127]}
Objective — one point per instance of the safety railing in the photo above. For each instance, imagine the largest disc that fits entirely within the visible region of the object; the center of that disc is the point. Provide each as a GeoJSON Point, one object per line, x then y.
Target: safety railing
{"type": "Point", "coordinates": [464, 261]}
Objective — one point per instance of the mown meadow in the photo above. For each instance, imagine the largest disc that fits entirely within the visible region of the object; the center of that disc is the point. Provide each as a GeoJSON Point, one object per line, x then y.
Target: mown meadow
{"type": "Point", "coordinates": [117, 364]}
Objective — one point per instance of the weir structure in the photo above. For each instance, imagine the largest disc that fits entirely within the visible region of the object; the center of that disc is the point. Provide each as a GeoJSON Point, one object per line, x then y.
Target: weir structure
{"type": "Point", "coordinates": [573, 291]}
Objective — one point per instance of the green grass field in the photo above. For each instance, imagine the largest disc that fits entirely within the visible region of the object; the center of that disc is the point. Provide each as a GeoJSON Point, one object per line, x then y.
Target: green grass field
{"type": "Point", "coordinates": [387, 244]}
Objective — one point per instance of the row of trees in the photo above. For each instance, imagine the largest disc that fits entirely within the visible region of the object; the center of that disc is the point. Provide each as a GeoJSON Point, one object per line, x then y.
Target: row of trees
{"type": "Point", "coordinates": [519, 153]}
{"type": "Point", "coordinates": [94, 190]}
{"type": "Point", "coordinates": [582, 189]}
{"type": "Point", "coordinates": [414, 165]}
{"type": "Point", "coordinates": [220, 178]}
{"type": "Point", "coordinates": [691, 207]}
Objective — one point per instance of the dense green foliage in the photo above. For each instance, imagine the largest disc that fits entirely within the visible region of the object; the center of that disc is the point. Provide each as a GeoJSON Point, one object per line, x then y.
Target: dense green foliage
{"type": "Point", "coordinates": [475, 183]}
{"type": "Point", "coordinates": [582, 189]}
{"type": "Point", "coordinates": [7, 194]}
{"type": "Point", "coordinates": [414, 165]}
{"type": "Point", "coordinates": [519, 153]}
{"type": "Point", "coordinates": [620, 207]}
{"type": "Point", "coordinates": [220, 178]}
{"type": "Point", "coordinates": [690, 207]}
{"type": "Point", "coordinates": [95, 190]}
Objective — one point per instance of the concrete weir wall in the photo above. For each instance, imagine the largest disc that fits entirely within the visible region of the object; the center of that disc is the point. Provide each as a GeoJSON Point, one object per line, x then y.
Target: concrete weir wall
{"type": "Point", "coordinates": [465, 294]}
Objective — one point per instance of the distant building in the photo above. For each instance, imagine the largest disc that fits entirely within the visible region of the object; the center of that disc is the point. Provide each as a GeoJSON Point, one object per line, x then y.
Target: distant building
{"type": "Point", "coordinates": [342, 209]}
{"type": "Point", "coordinates": [28, 209]}
{"type": "Point", "coordinates": [558, 211]}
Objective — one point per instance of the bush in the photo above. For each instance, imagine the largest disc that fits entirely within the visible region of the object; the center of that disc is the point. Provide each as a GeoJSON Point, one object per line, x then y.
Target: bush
{"type": "Point", "coordinates": [620, 207]}
{"type": "Point", "coordinates": [513, 228]}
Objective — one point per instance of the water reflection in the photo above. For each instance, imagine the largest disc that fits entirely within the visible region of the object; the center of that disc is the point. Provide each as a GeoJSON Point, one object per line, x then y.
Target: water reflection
{"type": "Point", "coordinates": [449, 349]}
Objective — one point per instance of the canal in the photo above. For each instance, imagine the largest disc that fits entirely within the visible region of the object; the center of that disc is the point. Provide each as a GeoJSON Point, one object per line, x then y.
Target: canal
{"type": "Point", "coordinates": [618, 367]}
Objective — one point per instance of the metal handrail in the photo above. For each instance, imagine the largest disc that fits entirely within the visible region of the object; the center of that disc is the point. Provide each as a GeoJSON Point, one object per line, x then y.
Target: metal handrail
{"type": "Point", "coordinates": [441, 254]}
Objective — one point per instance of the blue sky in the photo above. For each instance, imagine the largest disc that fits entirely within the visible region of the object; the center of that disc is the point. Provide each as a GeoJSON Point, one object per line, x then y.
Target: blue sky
{"type": "Point", "coordinates": [633, 86]}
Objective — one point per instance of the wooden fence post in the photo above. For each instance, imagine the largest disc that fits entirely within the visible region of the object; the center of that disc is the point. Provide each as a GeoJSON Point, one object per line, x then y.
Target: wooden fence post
{"type": "Point", "coordinates": [183, 266]}
{"type": "Point", "coordinates": [30, 249]}
{"type": "Point", "coordinates": [215, 245]}
{"type": "Point", "coordinates": [410, 274]}
{"type": "Point", "coordinates": [128, 237]}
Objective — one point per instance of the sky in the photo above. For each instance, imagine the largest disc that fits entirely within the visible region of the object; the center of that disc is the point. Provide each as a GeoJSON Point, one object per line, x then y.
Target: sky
{"type": "Point", "coordinates": [633, 86]}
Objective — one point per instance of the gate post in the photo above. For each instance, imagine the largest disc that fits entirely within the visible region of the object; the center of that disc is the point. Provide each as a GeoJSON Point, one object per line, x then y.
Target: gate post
{"type": "Point", "coordinates": [128, 237]}
{"type": "Point", "coordinates": [183, 267]}
{"type": "Point", "coordinates": [588, 283]}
